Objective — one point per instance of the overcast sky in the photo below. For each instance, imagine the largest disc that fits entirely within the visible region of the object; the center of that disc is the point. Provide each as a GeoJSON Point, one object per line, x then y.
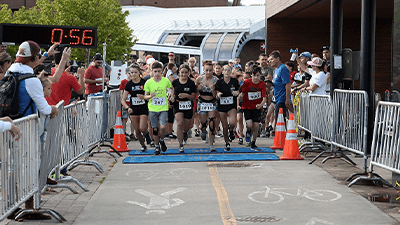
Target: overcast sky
{"type": "Point", "coordinates": [250, 2]}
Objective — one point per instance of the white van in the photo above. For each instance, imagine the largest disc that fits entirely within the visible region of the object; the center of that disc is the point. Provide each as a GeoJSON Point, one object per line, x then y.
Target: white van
{"type": "Point", "coordinates": [117, 73]}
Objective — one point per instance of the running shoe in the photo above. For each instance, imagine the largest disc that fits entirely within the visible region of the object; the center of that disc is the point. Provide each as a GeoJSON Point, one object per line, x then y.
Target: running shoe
{"type": "Point", "coordinates": [157, 151]}
{"type": "Point", "coordinates": [203, 135]}
{"type": "Point", "coordinates": [263, 133]}
{"type": "Point", "coordinates": [163, 146]}
{"type": "Point", "coordinates": [181, 149]}
{"type": "Point", "coordinates": [143, 149]}
{"type": "Point", "coordinates": [166, 136]}
{"type": "Point", "coordinates": [247, 137]}
{"type": "Point", "coordinates": [219, 134]}
{"type": "Point", "coordinates": [152, 144]}
{"type": "Point", "coordinates": [227, 147]}
{"type": "Point", "coordinates": [172, 136]}
{"type": "Point", "coordinates": [127, 138]}
{"type": "Point", "coordinates": [197, 133]}
{"type": "Point", "coordinates": [133, 138]}
{"type": "Point", "coordinates": [253, 145]}
{"type": "Point", "coordinates": [240, 142]}
{"type": "Point", "coordinates": [267, 133]}
{"type": "Point", "coordinates": [231, 136]}
{"type": "Point", "coordinates": [147, 137]}
{"type": "Point", "coordinates": [212, 148]}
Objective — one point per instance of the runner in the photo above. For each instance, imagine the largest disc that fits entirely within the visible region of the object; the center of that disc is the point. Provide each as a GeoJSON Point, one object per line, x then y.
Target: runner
{"type": "Point", "coordinates": [156, 93]}
{"type": "Point", "coordinates": [137, 107]}
{"type": "Point", "coordinates": [207, 105]}
{"type": "Point", "coordinates": [227, 91]}
{"type": "Point", "coordinates": [182, 95]}
{"type": "Point", "coordinates": [254, 97]}
{"type": "Point", "coordinates": [239, 134]}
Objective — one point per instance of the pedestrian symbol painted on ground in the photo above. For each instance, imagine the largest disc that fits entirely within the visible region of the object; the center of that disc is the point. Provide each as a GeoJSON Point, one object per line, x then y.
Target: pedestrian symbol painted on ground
{"type": "Point", "coordinates": [158, 203]}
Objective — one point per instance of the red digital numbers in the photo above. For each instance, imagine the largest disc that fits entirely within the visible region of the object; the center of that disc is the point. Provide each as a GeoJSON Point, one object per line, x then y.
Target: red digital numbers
{"type": "Point", "coordinates": [73, 36]}
{"type": "Point", "coordinates": [76, 37]}
{"type": "Point", "coordinates": [59, 38]}
{"type": "Point", "coordinates": [87, 37]}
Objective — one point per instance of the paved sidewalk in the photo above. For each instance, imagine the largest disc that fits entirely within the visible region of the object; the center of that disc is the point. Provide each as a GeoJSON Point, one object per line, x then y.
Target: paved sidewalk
{"type": "Point", "coordinates": [71, 205]}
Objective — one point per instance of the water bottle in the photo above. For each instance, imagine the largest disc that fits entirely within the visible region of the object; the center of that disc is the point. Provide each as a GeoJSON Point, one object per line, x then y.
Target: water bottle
{"type": "Point", "coordinates": [387, 95]}
{"type": "Point", "coordinates": [293, 55]}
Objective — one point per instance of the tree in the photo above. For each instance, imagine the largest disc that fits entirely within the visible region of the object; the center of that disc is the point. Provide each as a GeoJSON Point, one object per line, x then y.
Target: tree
{"type": "Point", "coordinates": [107, 15]}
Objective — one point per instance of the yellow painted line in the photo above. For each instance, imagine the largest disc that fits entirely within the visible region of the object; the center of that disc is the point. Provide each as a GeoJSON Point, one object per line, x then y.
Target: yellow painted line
{"type": "Point", "coordinates": [225, 209]}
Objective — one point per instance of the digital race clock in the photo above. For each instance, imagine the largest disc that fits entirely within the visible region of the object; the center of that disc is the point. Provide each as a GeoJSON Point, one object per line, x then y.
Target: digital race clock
{"type": "Point", "coordinates": [46, 35]}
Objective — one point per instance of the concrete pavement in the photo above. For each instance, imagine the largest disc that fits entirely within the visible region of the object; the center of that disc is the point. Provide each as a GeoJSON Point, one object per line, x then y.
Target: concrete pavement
{"type": "Point", "coordinates": [287, 192]}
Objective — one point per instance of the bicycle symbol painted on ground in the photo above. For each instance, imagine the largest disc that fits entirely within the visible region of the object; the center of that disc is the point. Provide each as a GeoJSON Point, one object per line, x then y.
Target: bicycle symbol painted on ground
{"type": "Point", "coordinates": [276, 195]}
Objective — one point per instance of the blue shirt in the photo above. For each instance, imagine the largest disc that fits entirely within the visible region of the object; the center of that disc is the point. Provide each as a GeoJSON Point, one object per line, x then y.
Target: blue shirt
{"type": "Point", "coordinates": [281, 78]}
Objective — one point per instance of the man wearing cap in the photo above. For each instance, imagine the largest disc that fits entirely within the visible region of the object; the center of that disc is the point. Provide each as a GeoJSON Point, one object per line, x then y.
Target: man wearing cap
{"type": "Point", "coordinates": [94, 76]}
{"type": "Point", "coordinates": [302, 60]}
{"type": "Point", "coordinates": [132, 59]}
{"type": "Point", "coordinates": [30, 91]}
{"type": "Point", "coordinates": [326, 53]}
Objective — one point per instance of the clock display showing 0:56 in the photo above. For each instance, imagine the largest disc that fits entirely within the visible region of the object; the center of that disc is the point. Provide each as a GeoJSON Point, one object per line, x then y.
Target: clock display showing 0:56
{"type": "Point", "coordinates": [46, 35]}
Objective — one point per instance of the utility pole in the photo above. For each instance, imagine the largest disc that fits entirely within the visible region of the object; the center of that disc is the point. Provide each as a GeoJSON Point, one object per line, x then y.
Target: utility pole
{"type": "Point", "coordinates": [236, 3]}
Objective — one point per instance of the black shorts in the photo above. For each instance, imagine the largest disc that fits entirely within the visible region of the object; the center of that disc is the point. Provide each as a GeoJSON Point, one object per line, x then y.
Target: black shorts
{"type": "Point", "coordinates": [252, 114]}
{"type": "Point", "coordinates": [187, 114]}
{"type": "Point", "coordinates": [140, 110]}
{"type": "Point", "coordinates": [226, 108]}
{"type": "Point", "coordinates": [277, 107]}
{"type": "Point", "coordinates": [171, 117]}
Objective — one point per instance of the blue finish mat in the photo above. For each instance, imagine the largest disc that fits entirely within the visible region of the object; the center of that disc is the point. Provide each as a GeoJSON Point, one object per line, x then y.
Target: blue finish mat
{"type": "Point", "coordinates": [204, 150]}
{"type": "Point", "coordinates": [198, 158]}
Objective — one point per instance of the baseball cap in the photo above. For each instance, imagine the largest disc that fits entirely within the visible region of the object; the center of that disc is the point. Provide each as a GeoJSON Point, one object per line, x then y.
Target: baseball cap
{"type": "Point", "coordinates": [28, 49]}
{"type": "Point", "coordinates": [305, 54]}
{"type": "Point", "coordinates": [150, 60]}
{"type": "Point", "coordinates": [148, 57]}
{"type": "Point", "coordinates": [231, 61]}
{"type": "Point", "coordinates": [316, 61]}
{"type": "Point", "coordinates": [97, 57]}
{"type": "Point", "coordinates": [326, 47]}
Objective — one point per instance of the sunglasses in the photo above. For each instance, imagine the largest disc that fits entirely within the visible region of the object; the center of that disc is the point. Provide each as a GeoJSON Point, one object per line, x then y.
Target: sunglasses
{"type": "Point", "coordinates": [4, 46]}
{"type": "Point", "coordinates": [171, 55]}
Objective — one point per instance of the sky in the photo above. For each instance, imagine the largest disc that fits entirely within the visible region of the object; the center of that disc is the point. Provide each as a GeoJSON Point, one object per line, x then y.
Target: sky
{"type": "Point", "coordinates": [250, 2]}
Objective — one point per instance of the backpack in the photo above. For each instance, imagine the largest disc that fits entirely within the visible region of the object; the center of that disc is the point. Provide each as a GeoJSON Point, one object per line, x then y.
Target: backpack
{"type": "Point", "coordinates": [9, 102]}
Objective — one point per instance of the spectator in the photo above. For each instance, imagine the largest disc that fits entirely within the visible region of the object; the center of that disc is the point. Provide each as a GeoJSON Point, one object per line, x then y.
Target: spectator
{"type": "Point", "coordinates": [192, 65]}
{"type": "Point", "coordinates": [30, 91]}
{"type": "Point", "coordinates": [6, 124]}
{"type": "Point", "coordinates": [318, 81]}
{"type": "Point", "coordinates": [3, 48]}
{"type": "Point", "coordinates": [62, 90]}
{"type": "Point", "coordinates": [266, 70]}
{"type": "Point", "coordinates": [302, 64]}
{"type": "Point", "coordinates": [231, 62]}
{"type": "Point", "coordinates": [94, 76]}
{"type": "Point", "coordinates": [326, 54]}
{"type": "Point", "coordinates": [292, 72]}
{"type": "Point", "coordinates": [281, 84]}
{"type": "Point", "coordinates": [5, 63]}
{"type": "Point", "coordinates": [248, 66]}
{"type": "Point", "coordinates": [171, 59]}
{"type": "Point", "coordinates": [237, 63]}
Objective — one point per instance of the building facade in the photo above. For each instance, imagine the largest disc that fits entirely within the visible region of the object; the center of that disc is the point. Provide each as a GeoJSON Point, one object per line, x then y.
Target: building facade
{"type": "Point", "coordinates": [16, 4]}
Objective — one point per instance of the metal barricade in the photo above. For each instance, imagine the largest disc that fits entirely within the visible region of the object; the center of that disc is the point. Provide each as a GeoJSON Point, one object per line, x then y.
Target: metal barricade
{"type": "Point", "coordinates": [19, 165]}
{"type": "Point", "coordinates": [114, 105]}
{"type": "Point", "coordinates": [50, 136]}
{"type": "Point", "coordinates": [385, 150]}
{"type": "Point", "coordinates": [321, 125]}
{"type": "Point", "coordinates": [350, 120]}
{"type": "Point", "coordinates": [74, 142]}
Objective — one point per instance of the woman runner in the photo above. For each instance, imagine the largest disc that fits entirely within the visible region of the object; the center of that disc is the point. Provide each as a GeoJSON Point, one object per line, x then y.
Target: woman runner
{"type": "Point", "coordinates": [138, 106]}
{"type": "Point", "coordinates": [182, 95]}
{"type": "Point", "coordinates": [227, 92]}
{"type": "Point", "coordinates": [207, 105]}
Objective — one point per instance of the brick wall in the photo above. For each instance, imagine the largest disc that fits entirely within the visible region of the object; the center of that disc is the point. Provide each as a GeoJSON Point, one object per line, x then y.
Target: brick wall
{"type": "Point", "coordinates": [250, 51]}
{"type": "Point", "coordinates": [16, 4]}
{"type": "Point", "coordinates": [284, 34]}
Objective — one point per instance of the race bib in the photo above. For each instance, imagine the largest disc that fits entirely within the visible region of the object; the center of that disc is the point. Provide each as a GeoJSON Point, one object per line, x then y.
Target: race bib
{"type": "Point", "coordinates": [158, 101]}
{"type": "Point", "coordinates": [206, 107]}
{"type": "Point", "coordinates": [254, 95]}
{"type": "Point", "coordinates": [137, 101]}
{"type": "Point", "coordinates": [185, 105]}
{"type": "Point", "coordinates": [226, 100]}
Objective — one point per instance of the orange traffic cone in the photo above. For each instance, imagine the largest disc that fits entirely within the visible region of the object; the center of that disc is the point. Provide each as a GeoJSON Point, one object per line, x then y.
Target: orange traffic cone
{"type": "Point", "coordinates": [119, 142]}
{"type": "Point", "coordinates": [280, 132]}
{"type": "Point", "coordinates": [291, 150]}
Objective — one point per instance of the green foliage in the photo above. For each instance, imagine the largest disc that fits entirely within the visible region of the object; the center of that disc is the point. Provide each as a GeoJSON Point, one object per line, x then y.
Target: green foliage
{"type": "Point", "coordinates": [107, 15]}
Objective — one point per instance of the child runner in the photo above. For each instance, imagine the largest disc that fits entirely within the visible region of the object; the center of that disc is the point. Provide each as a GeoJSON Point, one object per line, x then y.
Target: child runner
{"type": "Point", "coordinates": [254, 97]}
{"type": "Point", "coordinates": [182, 94]}
{"type": "Point", "coordinates": [227, 92]}
{"type": "Point", "coordinates": [137, 107]}
{"type": "Point", "coordinates": [207, 105]}
{"type": "Point", "coordinates": [156, 93]}
{"type": "Point", "coordinates": [124, 112]}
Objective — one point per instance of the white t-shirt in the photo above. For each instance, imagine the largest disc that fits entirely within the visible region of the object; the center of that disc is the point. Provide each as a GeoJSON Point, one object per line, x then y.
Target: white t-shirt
{"type": "Point", "coordinates": [320, 80]}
